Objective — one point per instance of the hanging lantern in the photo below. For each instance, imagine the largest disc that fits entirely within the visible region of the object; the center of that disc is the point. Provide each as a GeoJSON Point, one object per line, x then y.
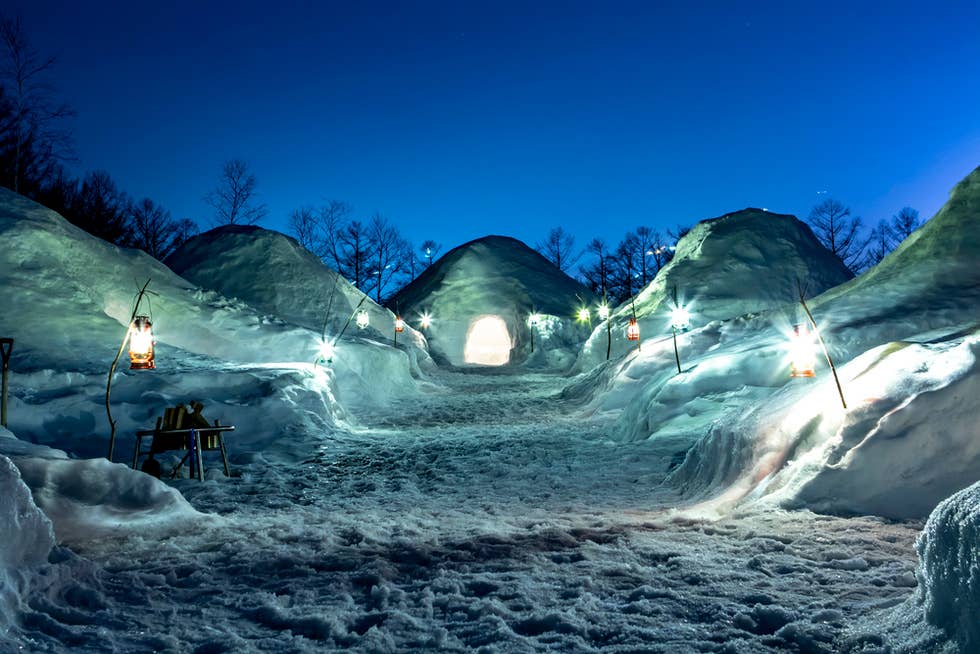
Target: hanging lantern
{"type": "Point", "coordinates": [426, 321]}
{"type": "Point", "coordinates": [603, 311]}
{"type": "Point", "coordinates": [141, 344]}
{"type": "Point", "coordinates": [633, 331]}
{"type": "Point", "coordinates": [680, 318]}
{"type": "Point", "coordinates": [803, 353]}
{"type": "Point", "coordinates": [326, 352]}
{"type": "Point", "coordinates": [584, 315]}
{"type": "Point", "coordinates": [362, 319]}
{"type": "Point", "coordinates": [399, 325]}
{"type": "Point", "coordinates": [534, 319]}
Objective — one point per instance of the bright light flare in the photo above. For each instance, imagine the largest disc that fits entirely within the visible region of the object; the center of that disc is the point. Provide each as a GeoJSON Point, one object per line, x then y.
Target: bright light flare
{"type": "Point", "coordinates": [362, 319]}
{"type": "Point", "coordinates": [603, 311]}
{"type": "Point", "coordinates": [326, 351]}
{"type": "Point", "coordinates": [534, 319]}
{"type": "Point", "coordinates": [584, 315]}
{"type": "Point", "coordinates": [680, 318]}
{"type": "Point", "coordinates": [802, 352]}
{"type": "Point", "coordinates": [425, 320]}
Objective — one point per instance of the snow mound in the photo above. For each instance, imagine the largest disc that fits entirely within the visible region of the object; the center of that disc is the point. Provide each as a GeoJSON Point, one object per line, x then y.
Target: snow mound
{"type": "Point", "coordinates": [27, 539]}
{"type": "Point", "coordinates": [740, 263]}
{"type": "Point", "coordinates": [479, 297]}
{"type": "Point", "coordinates": [275, 274]}
{"type": "Point", "coordinates": [949, 568]}
{"type": "Point", "coordinates": [91, 498]}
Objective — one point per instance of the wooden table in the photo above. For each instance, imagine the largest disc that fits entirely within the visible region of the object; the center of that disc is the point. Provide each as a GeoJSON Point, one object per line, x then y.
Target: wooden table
{"type": "Point", "coordinates": [191, 442]}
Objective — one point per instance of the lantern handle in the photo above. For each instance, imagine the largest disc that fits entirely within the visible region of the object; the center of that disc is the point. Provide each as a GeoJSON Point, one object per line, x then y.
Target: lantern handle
{"type": "Point", "coordinates": [112, 370]}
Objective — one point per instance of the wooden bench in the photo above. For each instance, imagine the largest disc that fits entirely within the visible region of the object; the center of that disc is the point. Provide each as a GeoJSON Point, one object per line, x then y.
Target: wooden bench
{"type": "Point", "coordinates": [171, 434]}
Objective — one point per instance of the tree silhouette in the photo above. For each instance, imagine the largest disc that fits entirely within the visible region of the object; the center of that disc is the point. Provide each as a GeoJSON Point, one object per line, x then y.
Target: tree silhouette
{"type": "Point", "coordinates": [233, 199]}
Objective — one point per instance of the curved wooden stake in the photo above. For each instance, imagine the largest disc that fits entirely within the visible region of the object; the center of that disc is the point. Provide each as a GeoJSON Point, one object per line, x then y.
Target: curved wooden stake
{"type": "Point", "coordinates": [112, 371]}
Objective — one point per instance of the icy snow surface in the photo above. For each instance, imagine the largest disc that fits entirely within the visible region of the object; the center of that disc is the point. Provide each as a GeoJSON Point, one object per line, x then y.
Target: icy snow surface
{"type": "Point", "coordinates": [487, 516]}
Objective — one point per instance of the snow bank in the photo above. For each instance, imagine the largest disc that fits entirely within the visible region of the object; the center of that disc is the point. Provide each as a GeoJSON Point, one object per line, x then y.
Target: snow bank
{"type": "Point", "coordinates": [502, 281]}
{"type": "Point", "coordinates": [275, 274]}
{"type": "Point", "coordinates": [743, 262]}
{"type": "Point", "coordinates": [949, 568]}
{"type": "Point", "coordinates": [27, 539]}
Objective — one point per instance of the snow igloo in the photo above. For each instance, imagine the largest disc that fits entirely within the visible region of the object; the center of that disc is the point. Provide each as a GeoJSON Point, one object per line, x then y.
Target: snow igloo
{"type": "Point", "coordinates": [478, 298]}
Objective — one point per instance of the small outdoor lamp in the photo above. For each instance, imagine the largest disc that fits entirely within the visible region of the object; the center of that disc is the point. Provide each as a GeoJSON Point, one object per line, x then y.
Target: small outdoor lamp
{"type": "Point", "coordinates": [584, 315]}
{"type": "Point", "coordinates": [680, 318]}
{"type": "Point", "coordinates": [141, 344]}
{"type": "Point", "coordinates": [326, 352]}
{"type": "Point", "coordinates": [362, 319]}
{"type": "Point", "coordinates": [426, 320]}
{"type": "Point", "coordinates": [603, 311]}
{"type": "Point", "coordinates": [633, 331]}
{"type": "Point", "coordinates": [803, 355]}
{"type": "Point", "coordinates": [533, 321]}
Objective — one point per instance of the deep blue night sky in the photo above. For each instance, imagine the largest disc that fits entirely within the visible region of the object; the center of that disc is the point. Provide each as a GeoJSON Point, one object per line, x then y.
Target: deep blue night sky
{"type": "Point", "coordinates": [457, 119]}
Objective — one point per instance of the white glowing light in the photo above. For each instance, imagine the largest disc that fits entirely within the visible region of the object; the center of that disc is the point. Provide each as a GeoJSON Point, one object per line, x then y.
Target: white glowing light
{"type": "Point", "coordinates": [534, 319]}
{"type": "Point", "coordinates": [803, 352]}
{"type": "Point", "coordinates": [425, 320]}
{"type": "Point", "coordinates": [680, 318]}
{"type": "Point", "coordinates": [603, 311]}
{"type": "Point", "coordinates": [141, 344]}
{"type": "Point", "coordinates": [362, 319]}
{"type": "Point", "coordinates": [584, 315]}
{"type": "Point", "coordinates": [399, 324]}
{"type": "Point", "coordinates": [488, 342]}
{"type": "Point", "coordinates": [326, 351]}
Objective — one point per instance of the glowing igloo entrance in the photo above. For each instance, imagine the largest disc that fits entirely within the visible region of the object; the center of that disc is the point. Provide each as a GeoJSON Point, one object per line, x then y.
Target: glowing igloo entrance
{"type": "Point", "coordinates": [487, 342]}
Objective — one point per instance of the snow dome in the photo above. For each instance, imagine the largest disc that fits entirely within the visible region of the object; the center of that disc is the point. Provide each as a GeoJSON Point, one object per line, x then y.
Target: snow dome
{"type": "Point", "coordinates": [480, 297]}
{"type": "Point", "coordinates": [739, 263]}
{"type": "Point", "coordinates": [275, 274]}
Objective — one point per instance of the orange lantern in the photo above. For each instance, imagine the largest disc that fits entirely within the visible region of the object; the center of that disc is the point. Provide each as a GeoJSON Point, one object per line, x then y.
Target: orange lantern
{"type": "Point", "coordinates": [399, 325]}
{"type": "Point", "coordinates": [633, 331]}
{"type": "Point", "coordinates": [803, 356]}
{"type": "Point", "coordinates": [141, 344]}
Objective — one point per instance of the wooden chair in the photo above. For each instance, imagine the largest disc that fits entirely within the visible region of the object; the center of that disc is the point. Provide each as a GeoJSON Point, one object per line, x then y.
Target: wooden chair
{"type": "Point", "coordinates": [179, 430]}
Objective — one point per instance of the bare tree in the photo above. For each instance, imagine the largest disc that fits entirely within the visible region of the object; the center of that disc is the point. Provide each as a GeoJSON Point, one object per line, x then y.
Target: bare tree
{"type": "Point", "coordinates": [624, 269]}
{"type": "Point", "coordinates": [837, 230]}
{"type": "Point", "coordinates": [234, 198]}
{"type": "Point", "coordinates": [100, 208]}
{"type": "Point", "coordinates": [880, 243]}
{"type": "Point", "coordinates": [596, 274]}
{"type": "Point", "coordinates": [430, 249]}
{"type": "Point", "coordinates": [319, 230]}
{"type": "Point", "coordinates": [354, 251]}
{"type": "Point", "coordinates": [904, 223]}
{"type": "Point", "coordinates": [33, 138]}
{"type": "Point", "coordinates": [389, 255]}
{"type": "Point", "coordinates": [154, 231]}
{"type": "Point", "coordinates": [559, 249]}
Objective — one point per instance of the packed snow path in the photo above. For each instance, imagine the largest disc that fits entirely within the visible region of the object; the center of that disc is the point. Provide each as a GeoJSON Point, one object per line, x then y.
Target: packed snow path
{"type": "Point", "coordinates": [485, 515]}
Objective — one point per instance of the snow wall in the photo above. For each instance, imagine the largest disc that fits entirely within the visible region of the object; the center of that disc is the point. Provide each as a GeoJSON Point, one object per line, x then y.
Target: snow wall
{"type": "Point", "coordinates": [479, 297]}
{"type": "Point", "coordinates": [743, 262]}
{"type": "Point", "coordinates": [273, 273]}
{"type": "Point", "coordinates": [733, 427]}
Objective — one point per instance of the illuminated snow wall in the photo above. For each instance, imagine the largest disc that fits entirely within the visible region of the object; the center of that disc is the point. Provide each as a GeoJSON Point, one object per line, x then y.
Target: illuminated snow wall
{"type": "Point", "coordinates": [488, 342]}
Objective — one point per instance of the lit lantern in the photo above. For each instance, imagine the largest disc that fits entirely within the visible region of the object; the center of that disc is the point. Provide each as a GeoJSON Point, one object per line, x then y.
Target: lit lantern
{"type": "Point", "coordinates": [603, 311]}
{"type": "Point", "coordinates": [680, 318]}
{"type": "Point", "coordinates": [362, 319]}
{"type": "Point", "coordinates": [633, 331]}
{"type": "Point", "coordinates": [803, 354]}
{"type": "Point", "coordinates": [584, 315]}
{"type": "Point", "coordinates": [399, 325]}
{"type": "Point", "coordinates": [426, 321]}
{"type": "Point", "coordinates": [534, 319]}
{"type": "Point", "coordinates": [141, 344]}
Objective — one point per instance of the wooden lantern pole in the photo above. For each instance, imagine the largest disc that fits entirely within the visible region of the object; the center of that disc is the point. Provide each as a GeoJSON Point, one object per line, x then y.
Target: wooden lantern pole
{"type": "Point", "coordinates": [6, 347]}
{"type": "Point", "coordinates": [638, 334]}
{"type": "Point", "coordinates": [112, 371]}
{"type": "Point", "coordinates": [673, 328]}
{"type": "Point", "coordinates": [826, 352]}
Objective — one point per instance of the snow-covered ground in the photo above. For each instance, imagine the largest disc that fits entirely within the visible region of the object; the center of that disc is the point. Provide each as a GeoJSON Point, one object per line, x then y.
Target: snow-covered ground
{"type": "Point", "coordinates": [381, 504]}
{"type": "Point", "coordinates": [486, 517]}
